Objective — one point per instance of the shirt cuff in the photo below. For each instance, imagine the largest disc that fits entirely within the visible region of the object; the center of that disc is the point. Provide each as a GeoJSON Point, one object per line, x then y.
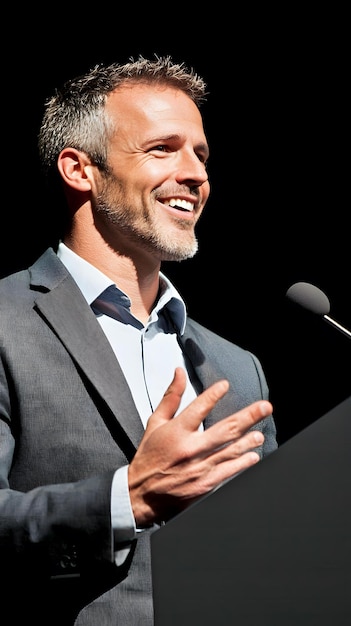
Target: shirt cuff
{"type": "Point", "coordinates": [123, 523]}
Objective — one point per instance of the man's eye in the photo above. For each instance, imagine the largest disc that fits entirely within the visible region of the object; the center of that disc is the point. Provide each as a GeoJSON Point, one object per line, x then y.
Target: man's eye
{"type": "Point", "coordinates": [159, 148]}
{"type": "Point", "coordinates": [203, 160]}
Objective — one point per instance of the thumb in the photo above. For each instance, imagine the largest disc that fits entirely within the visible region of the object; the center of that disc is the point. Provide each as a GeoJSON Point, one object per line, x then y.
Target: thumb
{"type": "Point", "coordinates": [170, 401]}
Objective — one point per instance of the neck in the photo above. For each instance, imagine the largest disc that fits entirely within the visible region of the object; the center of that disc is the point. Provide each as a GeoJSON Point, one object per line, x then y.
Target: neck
{"type": "Point", "coordinates": [137, 276]}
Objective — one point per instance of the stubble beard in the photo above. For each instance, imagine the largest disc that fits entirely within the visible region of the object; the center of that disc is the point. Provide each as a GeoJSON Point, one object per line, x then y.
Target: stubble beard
{"type": "Point", "coordinates": [143, 230]}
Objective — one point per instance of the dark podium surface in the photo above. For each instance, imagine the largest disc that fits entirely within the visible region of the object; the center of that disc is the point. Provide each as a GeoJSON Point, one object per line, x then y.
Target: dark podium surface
{"type": "Point", "coordinates": [271, 547]}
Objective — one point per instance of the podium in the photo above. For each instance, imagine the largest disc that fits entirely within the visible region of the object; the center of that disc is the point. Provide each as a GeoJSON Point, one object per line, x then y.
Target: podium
{"type": "Point", "coordinates": [270, 547]}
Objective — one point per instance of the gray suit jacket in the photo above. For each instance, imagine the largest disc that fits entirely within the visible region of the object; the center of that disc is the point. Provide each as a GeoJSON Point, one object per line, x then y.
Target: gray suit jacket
{"type": "Point", "coordinates": [67, 421]}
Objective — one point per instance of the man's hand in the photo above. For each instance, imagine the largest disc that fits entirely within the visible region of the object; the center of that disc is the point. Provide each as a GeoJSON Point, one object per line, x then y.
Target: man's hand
{"type": "Point", "coordinates": [176, 463]}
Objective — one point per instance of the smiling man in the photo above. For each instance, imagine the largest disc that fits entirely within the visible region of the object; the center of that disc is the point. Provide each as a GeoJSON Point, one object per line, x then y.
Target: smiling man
{"type": "Point", "coordinates": [117, 410]}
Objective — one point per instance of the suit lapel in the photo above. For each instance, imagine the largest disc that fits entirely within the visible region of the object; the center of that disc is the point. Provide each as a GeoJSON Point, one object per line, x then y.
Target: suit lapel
{"type": "Point", "coordinates": [198, 350]}
{"type": "Point", "coordinates": [67, 312]}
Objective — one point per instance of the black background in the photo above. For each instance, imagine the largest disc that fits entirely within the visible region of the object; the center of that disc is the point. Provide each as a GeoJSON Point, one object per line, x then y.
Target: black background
{"type": "Point", "coordinates": [277, 120]}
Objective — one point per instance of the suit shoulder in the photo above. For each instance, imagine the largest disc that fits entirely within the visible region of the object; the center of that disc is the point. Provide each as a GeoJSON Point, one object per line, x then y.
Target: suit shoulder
{"type": "Point", "coordinates": [45, 272]}
{"type": "Point", "coordinates": [13, 283]}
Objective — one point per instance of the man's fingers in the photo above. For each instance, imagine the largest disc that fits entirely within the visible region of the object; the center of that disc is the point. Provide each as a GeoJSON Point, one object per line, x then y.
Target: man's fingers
{"type": "Point", "coordinates": [197, 410]}
{"type": "Point", "coordinates": [224, 432]}
{"type": "Point", "coordinates": [170, 401]}
{"type": "Point", "coordinates": [232, 428]}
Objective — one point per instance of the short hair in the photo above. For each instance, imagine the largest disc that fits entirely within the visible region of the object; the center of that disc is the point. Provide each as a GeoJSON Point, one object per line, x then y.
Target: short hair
{"type": "Point", "coordinates": [75, 115]}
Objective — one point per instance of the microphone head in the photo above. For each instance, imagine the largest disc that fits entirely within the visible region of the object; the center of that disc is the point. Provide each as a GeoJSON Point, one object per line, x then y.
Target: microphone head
{"type": "Point", "coordinates": [309, 297]}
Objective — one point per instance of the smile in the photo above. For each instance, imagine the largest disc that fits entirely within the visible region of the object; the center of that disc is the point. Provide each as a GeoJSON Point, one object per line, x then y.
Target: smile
{"type": "Point", "coordinates": [184, 205]}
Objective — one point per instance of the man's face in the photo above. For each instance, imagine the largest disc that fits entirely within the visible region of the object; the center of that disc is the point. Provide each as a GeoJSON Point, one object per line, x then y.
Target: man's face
{"type": "Point", "coordinates": [158, 185]}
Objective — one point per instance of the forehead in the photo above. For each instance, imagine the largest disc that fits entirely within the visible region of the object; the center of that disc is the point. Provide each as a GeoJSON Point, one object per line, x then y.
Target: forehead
{"type": "Point", "coordinates": [152, 104]}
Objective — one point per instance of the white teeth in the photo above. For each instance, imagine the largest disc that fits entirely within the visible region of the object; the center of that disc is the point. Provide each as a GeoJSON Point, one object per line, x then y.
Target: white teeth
{"type": "Point", "coordinates": [182, 204]}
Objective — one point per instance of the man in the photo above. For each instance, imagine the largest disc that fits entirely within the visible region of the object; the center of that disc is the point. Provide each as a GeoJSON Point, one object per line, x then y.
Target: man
{"type": "Point", "coordinates": [117, 410]}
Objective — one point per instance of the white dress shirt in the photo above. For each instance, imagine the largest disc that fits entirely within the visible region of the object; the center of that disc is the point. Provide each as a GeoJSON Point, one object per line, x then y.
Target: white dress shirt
{"type": "Point", "coordinates": [148, 356]}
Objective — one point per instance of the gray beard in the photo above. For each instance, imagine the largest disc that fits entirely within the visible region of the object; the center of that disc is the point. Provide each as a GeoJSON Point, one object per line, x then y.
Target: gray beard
{"type": "Point", "coordinates": [165, 247]}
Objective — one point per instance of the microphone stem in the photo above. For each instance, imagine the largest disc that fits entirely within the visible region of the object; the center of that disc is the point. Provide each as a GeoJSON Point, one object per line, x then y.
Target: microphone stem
{"type": "Point", "coordinates": [338, 326]}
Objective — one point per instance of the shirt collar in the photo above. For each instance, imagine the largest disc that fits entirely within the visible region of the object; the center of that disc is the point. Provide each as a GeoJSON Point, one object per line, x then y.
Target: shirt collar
{"type": "Point", "coordinates": [92, 283]}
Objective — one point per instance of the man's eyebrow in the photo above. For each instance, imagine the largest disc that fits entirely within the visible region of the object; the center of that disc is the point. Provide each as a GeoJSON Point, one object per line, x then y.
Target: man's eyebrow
{"type": "Point", "coordinates": [161, 138]}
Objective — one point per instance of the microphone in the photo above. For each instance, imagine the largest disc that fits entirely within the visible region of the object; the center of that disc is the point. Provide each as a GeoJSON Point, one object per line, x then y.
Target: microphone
{"type": "Point", "coordinates": [314, 300]}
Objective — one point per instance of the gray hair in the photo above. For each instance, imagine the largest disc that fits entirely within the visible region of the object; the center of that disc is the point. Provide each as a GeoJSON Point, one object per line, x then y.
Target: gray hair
{"type": "Point", "coordinates": [75, 115]}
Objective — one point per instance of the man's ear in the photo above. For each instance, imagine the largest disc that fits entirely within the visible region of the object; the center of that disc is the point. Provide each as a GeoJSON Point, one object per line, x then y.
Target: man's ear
{"type": "Point", "coordinates": [75, 169]}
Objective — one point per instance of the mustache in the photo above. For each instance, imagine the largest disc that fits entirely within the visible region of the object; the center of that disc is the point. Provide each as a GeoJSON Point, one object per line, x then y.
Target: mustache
{"type": "Point", "coordinates": [175, 192]}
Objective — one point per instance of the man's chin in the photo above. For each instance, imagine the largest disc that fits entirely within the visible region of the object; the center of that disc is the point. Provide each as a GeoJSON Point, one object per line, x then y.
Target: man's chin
{"type": "Point", "coordinates": [178, 255]}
